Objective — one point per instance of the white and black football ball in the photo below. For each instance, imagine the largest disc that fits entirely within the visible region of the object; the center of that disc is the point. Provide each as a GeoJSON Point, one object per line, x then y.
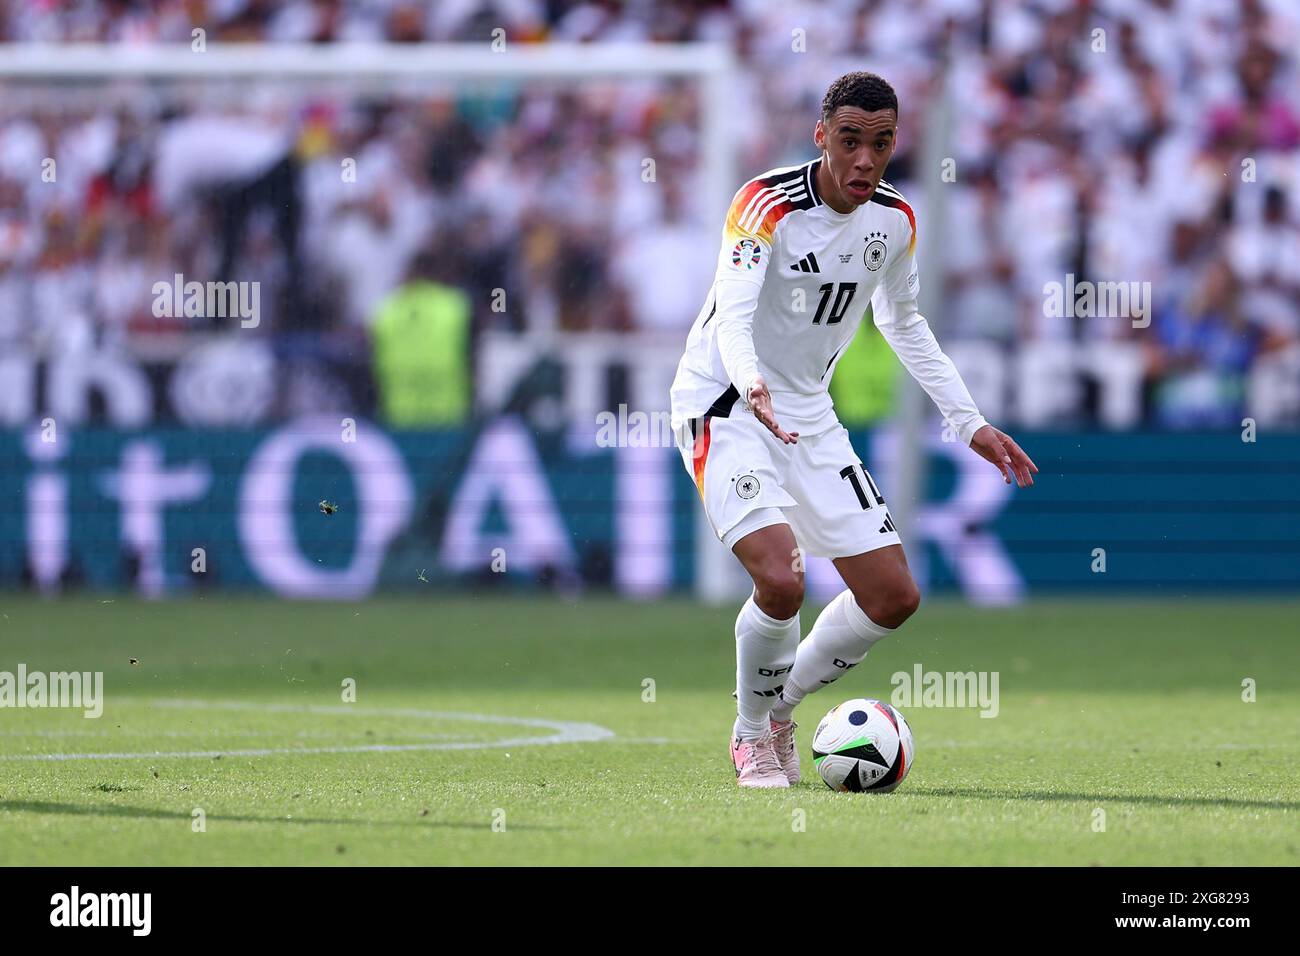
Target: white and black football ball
{"type": "Point", "coordinates": [862, 745]}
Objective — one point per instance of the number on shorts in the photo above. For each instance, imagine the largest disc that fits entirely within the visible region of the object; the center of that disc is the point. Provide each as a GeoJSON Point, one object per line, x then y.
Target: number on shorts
{"type": "Point", "coordinates": [850, 472]}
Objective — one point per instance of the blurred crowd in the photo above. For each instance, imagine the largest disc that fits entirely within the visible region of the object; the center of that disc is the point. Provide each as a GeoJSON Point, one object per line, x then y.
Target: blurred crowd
{"type": "Point", "coordinates": [1124, 141]}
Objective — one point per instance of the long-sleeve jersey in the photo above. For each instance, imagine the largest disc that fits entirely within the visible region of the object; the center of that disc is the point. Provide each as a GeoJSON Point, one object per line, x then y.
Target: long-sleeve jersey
{"type": "Point", "coordinates": [792, 285]}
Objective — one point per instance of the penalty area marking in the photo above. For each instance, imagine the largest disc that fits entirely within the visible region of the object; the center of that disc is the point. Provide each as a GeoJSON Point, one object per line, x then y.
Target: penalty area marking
{"type": "Point", "coordinates": [562, 732]}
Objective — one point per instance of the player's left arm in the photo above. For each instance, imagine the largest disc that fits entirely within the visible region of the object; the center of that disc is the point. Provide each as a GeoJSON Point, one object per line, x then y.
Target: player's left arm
{"type": "Point", "coordinates": [902, 325]}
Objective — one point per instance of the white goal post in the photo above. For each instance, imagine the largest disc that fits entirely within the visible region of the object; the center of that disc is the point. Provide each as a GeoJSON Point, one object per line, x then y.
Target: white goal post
{"type": "Point", "coordinates": [712, 65]}
{"type": "Point", "coordinates": [403, 68]}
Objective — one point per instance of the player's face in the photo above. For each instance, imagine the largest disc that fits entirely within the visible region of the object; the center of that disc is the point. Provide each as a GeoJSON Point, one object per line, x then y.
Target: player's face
{"type": "Point", "coordinates": [858, 146]}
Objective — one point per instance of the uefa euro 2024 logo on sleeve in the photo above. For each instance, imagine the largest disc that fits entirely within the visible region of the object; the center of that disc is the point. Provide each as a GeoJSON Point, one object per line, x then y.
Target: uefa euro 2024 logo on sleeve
{"type": "Point", "coordinates": [746, 254]}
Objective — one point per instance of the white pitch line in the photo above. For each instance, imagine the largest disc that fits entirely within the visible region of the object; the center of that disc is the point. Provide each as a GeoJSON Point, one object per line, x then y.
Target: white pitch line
{"type": "Point", "coordinates": [564, 732]}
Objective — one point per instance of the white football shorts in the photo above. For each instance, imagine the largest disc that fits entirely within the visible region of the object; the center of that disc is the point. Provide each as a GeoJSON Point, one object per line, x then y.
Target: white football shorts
{"type": "Point", "coordinates": [749, 479]}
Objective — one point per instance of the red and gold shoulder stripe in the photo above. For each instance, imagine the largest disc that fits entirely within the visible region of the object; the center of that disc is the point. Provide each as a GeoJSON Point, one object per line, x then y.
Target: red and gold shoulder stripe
{"type": "Point", "coordinates": [887, 195]}
{"type": "Point", "coordinates": [757, 208]}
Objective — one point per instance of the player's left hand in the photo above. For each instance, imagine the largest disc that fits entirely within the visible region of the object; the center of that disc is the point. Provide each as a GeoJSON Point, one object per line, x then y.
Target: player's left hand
{"type": "Point", "coordinates": [1001, 449]}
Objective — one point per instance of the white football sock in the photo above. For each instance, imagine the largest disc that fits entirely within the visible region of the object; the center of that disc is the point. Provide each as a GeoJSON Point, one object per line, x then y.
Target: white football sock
{"type": "Point", "coordinates": [765, 649]}
{"type": "Point", "coordinates": [837, 642]}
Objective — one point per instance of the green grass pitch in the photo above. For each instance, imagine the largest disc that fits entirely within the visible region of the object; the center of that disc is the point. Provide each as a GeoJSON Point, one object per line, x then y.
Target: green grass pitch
{"type": "Point", "coordinates": [1132, 708]}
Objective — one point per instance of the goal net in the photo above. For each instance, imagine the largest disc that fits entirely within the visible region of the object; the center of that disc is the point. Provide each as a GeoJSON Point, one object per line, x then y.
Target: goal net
{"type": "Point", "coordinates": [199, 235]}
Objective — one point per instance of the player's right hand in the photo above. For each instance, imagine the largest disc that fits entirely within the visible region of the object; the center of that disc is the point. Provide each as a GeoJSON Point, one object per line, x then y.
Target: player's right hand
{"type": "Point", "coordinates": [759, 400]}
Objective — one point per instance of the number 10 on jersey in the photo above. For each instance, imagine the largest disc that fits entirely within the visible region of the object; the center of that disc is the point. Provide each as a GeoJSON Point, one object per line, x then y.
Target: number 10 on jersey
{"type": "Point", "coordinates": [841, 294]}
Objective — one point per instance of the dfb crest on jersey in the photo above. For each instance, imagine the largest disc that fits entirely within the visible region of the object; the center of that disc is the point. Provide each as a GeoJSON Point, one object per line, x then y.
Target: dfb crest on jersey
{"type": "Point", "coordinates": [745, 254]}
{"type": "Point", "coordinates": [874, 255]}
{"type": "Point", "coordinates": [747, 486]}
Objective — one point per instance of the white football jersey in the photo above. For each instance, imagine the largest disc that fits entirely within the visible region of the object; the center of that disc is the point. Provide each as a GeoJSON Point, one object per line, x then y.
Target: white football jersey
{"type": "Point", "coordinates": [815, 271]}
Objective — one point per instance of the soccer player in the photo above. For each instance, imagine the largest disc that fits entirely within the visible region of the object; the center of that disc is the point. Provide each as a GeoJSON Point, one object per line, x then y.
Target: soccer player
{"type": "Point", "coordinates": [804, 249]}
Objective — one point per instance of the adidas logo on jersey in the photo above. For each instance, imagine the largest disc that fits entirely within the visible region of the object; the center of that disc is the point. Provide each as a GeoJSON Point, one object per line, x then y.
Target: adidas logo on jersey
{"type": "Point", "coordinates": [807, 264]}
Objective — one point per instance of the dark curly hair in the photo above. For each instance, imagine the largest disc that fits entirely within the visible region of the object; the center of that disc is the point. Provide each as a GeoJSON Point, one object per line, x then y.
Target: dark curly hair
{"type": "Point", "coordinates": [866, 91]}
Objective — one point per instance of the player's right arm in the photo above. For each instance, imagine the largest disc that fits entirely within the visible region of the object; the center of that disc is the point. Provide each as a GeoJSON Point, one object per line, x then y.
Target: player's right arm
{"type": "Point", "coordinates": [742, 267]}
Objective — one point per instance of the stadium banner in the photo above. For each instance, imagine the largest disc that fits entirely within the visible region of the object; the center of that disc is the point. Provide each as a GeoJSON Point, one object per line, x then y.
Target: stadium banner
{"type": "Point", "coordinates": [330, 509]}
